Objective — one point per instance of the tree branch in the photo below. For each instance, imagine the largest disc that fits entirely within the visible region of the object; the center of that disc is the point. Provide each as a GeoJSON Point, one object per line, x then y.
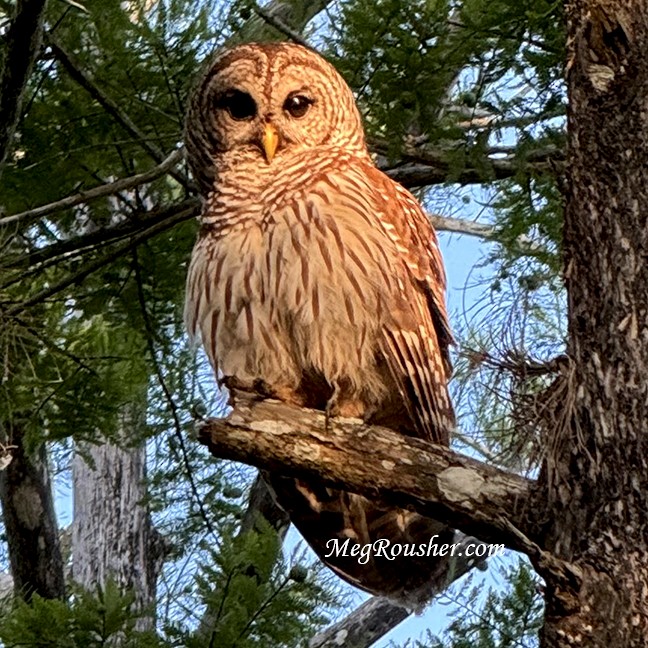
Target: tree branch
{"type": "Point", "coordinates": [291, 15]}
{"type": "Point", "coordinates": [97, 264]}
{"type": "Point", "coordinates": [107, 189]}
{"type": "Point", "coordinates": [163, 216]}
{"type": "Point", "coordinates": [378, 463]}
{"type": "Point", "coordinates": [22, 44]}
{"type": "Point", "coordinates": [462, 226]}
{"type": "Point", "coordinates": [434, 167]}
{"type": "Point", "coordinates": [280, 26]}
{"type": "Point", "coordinates": [30, 520]}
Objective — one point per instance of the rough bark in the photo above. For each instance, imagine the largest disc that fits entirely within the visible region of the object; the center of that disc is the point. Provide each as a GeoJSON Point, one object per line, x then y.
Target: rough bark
{"type": "Point", "coordinates": [378, 463]}
{"type": "Point", "coordinates": [597, 478]}
{"type": "Point", "coordinates": [30, 521]}
{"type": "Point", "coordinates": [112, 534]}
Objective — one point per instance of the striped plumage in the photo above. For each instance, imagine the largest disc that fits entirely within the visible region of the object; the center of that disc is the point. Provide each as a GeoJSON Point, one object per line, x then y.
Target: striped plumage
{"type": "Point", "coordinates": [317, 279]}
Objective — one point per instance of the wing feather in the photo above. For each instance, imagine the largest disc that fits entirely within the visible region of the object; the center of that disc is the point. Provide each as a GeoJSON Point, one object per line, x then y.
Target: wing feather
{"type": "Point", "coordinates": [417, 337]}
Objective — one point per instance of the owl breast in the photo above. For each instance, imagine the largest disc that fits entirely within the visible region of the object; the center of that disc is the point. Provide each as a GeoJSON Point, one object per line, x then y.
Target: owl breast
{"type": "Point", "coordinates": [295, 293]}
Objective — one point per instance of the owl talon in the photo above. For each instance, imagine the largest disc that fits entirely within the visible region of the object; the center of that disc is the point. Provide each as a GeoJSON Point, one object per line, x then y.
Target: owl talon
{"type": "Point", "coordinates": [332, 405]}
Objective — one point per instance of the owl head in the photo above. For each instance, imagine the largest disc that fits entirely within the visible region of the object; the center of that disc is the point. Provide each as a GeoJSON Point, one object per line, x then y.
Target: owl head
{"type": "Point", "coordinates": [266, 104]}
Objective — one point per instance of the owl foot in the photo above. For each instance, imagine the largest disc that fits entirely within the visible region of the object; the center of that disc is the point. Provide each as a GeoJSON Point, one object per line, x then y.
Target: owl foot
{"type": "Point", "coordinates": [332, 405]}
{"type": "Point", "coordinates": [339, 404]}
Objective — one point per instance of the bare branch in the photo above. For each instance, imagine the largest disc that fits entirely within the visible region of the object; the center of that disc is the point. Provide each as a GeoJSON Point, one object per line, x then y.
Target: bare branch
{"type": "Point", "coordinates": [22, 44]}
{"type": "Point", "coordinates": [97, 192]}
{"type": "Point", "coordinates": [421, 166]}
{"type": "Point", "coordinates": [461, 226]}
{"type": "Point", "coordinates": [93, 266]}
{"type": "Point", "coordinates": [64, 250]}
{"type": "Point", "coordinates": [363, 627]}
{"type": "Point", "coordinates": [378, 463]}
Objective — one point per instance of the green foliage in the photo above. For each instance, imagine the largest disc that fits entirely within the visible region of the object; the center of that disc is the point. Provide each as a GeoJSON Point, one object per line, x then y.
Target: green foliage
{"type": "Point", "coordinates": [501, 619]}
{"type": "Point", "coordinates": [87, 620]}
{"type": "Point", "coordinates": [78, 357]}
{"type": "Point", "coordinates": [257, 600]}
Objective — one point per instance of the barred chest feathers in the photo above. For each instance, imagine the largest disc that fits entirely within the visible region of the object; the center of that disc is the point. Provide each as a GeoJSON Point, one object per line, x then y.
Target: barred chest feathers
{"type": "Point", "coordinates": [297, 282]}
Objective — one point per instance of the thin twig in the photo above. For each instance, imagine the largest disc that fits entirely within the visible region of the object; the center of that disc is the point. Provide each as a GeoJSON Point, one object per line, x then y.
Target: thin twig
{"type": "Point", "coordinates": [150, 334]}
{"type": "Point", "coordinates": [89, 268]}
{"type": "Point", "coordinates": [37, 261]}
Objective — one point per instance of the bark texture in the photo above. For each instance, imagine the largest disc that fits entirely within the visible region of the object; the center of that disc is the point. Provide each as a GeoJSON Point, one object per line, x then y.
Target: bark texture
{"type": "Point", "coordinates": [597, 478]}
{"type": "Point", "coordinates": [30, 521]}
{"type": "Point", "coordinates": [112, 534]}
{"type": "Point", "coordinates": [375, 462]}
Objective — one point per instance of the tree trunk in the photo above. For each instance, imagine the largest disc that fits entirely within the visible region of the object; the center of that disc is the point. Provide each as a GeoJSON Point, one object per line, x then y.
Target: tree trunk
{"type": "Point", "coordinates": [30, 521]}
{"type": "Point", "coordinates": [597, 479]}
{"type": "Point", "coordinates": [112, 533]}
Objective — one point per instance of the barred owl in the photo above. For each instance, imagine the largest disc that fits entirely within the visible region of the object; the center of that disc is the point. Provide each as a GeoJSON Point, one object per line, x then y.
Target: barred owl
{"type": "Point", "coordinates": [318, 280]}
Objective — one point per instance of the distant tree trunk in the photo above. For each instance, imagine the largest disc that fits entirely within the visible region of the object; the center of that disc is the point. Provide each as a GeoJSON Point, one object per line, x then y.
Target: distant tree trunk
{"type": "Point", "coordinates": [30, 521]}
{"type": "Point", "coordinates": [597, 479]}
{"type": "Point", "coordinates": [112, 534]}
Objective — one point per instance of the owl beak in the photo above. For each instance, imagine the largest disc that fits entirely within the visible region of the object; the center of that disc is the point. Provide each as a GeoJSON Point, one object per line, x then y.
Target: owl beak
{"type": "Point", "coordinates": [270, 141]}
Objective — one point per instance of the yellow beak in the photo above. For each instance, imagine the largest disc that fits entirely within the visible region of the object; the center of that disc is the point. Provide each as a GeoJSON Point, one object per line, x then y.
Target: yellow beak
{"type": "Point", "coordinates": [270, 141]}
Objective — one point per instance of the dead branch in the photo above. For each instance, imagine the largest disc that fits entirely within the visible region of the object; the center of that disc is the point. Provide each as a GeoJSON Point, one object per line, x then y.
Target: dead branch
{"type": "Point", "coordinates": [420, 166]}
{"type": "Point", "coordinates": [363, 627]}
{"type": "Point", "coordinates": [378, 616]}
{"type": "Point", "coordinates": [97, 264]}
{"type": "Point", "coordinates": [462, 226]}
{"type": "Point", "coordinates": [164, 216]}
{"type": "Point", "coordinates": [378, 463]}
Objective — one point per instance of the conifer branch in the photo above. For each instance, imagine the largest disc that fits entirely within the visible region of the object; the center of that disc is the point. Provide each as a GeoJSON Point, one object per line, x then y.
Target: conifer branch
{"type": "Point", "coordinates": [79, 75]}
{"type": "Point", "coordinates": [97, 264]}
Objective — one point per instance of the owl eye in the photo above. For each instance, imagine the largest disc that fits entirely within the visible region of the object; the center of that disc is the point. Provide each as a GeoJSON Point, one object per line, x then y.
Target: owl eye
{"type": "Point", "coordinates": [297, 105]}
{"type": "Point", "coordinates": [238, 104]}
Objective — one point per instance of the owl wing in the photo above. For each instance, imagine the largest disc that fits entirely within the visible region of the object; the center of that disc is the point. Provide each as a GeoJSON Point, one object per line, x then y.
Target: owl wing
{"type": "Point", "coordinates": [417, 336]}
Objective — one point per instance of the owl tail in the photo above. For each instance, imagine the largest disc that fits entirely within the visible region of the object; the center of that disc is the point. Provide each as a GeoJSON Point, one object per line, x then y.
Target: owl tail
{"type": "Point", "coordinates": [385, 551]}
